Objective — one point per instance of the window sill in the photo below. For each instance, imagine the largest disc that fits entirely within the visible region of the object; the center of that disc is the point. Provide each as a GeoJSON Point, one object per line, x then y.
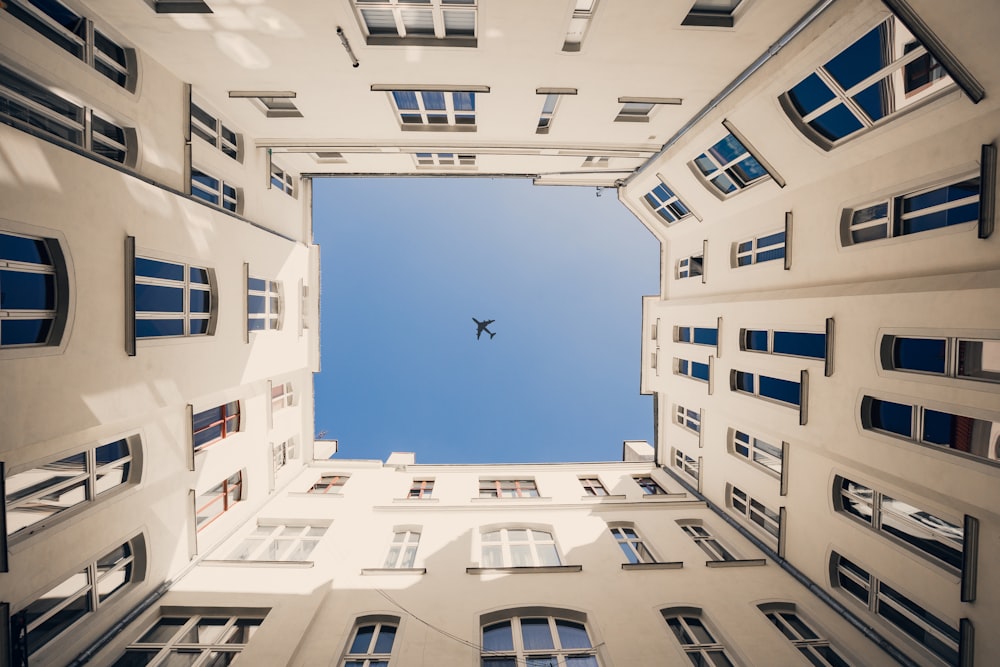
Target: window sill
{"type": "Point", "coordinates": [540, 569]}
{"type": "Point", "coordinates": [740, 562]}
{"type": "Point", "coordinates": [654, 497]}
{"type": "Point", "coordinates": [257, 563]}
{"type": "Point", "coordinates": [306, 494]}
{"type": "Point", "coordinates": [527, 499]}
{"type": "Point", "coordinates": [616, 496]}
{"type": "Point", "coordinates": [415, 501]}
{"type": "Point", "coordinates": [393, 570]}
{"type": "Point", "coordinates": [673, 565]}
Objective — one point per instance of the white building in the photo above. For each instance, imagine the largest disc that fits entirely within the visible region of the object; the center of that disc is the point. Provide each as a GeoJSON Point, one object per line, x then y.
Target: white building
{"type": "Point", "coordinates": [830, 419]}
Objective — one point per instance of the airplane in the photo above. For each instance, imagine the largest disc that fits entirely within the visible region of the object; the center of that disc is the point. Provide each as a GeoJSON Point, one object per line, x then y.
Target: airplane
{"type": "Point", "coordinates": [481, 327]}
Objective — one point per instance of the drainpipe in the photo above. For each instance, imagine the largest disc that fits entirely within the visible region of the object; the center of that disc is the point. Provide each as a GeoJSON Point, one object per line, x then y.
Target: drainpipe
{"type": "Point", "coordinates": [799, 26]}
{"type": "Point", "coordinates": [799, 576]}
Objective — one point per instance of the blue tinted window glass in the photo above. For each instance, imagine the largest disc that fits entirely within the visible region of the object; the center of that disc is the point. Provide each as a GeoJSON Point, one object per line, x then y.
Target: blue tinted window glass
{"type": "Point", "coordinates": [768, 255]}
{"type": "Point", "coordinates": [945, 218]}
{"type": "Point", "coordinates": [256, 324]}
{"type": "Point", "coordinates": [800, 344]}
{"type": "Point", "coordinates": [699, 370]}
{"type": "Point", "coordinates": [679, 209]}
{"type": "Point", "coordinates": [892, 417]}
{"type": "Point", "coordinates": [662, 192]}
{"type": "Point", "coordinates": [919, 354]}
{"type": "Point", "coordinates": [727, 149]}
{"type": "Point", "coordinates": [462, 101]}
{"type": "Point", "coordinates": [652, 201]}
{"type": "Point", "coordinates": [810, 94]}
{"type": "Point", "coordinates": [154, 328]}
{"type": "Point", "coordinates": [771, 239]}
{"type": "Point", "coordinates": [581, 661]}
{"type": "Point", "coordinates": [944, 649]}
{"type": "Point", "coordinates": [939, 427]}
{"type": "Point", "coordinates": [363, 639]}
{"type": "Point", "coordinates": [112, 451]}
{"type": "Point", "coordinates": [27, 291]}
{"type": "Point", "coordinates": [257, 284]}
{"type": "Point", "coordinates": [870, 234]}
{"type": "Point", "coordinates": [199, 326]}
{"type": "Point", "coordinates": [205, 196]}
{"type": "Point", "coordinates": [385, 639]}
{"type": "Point", "coordinates": [159, 299]}
{"type": "Point", "coordinates": [939, 196]}
{"type": "Point", "coordinates": [780, 390]}
{"type": "Point", "coordinates": [704, 164]}
{"type": "Point", "coordinates": [24, 332]}
{"type": "Point", "coordinates": [498, 637]}
{"type": "Point", "coordinates": [756, 340]}
{"type": "Point", "coordinates": [744, 381]}
{"type": "Point", "coordinates": [256, 304]}
{"type": "Point", "coordinates": [744, 261]}
{"type": "Point", "coordinates": [433, 100]}
{"type": "Point", "coordinates": [723, 183]}
{"type": "Point", "coordinates": [666, 214]}
{"type": "Point", "coordinates": [405, 100]}
{"type": "Point", "coordinates": [155, 269]}
{"type": "Point", "coordinates": [745, 246]}
{"type": "Point", "coordinates": [836, 123]}
{"type": "Point", "coordinates": [536, 634]}
{"type": "Point", "coordinates": [210, 182]}
{"type": "Point", "coordinates": [572, 635]}
{"type": "Point", "coordinates": [876, 100]}
{"type": "Point", "coordinates": [705, 336]}
{"type": "Point", "coordinates": [205, 417]}
{"type": "Point", "coordinates": [630, 555]}
{"type": "Point", "coordinates": [684, 334]}
{"type": "Point", "coordinates": [20, 249]}
{"type": "Point", "coordinates": [747, 171]}
{"type": "Point", "coordinates": [682, 366]}
{"type": "Point", "coordinates": [860, 60]}
{"type": "Point", "coordinates": [198, 275]}
{"type": "Point", "coordinates": [200, 301]}
{"type": "Point", "coordinates": [499, 662]}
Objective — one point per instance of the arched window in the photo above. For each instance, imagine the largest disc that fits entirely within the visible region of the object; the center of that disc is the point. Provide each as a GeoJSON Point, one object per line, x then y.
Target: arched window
{"type": "Point", "coordinates": [537, 636]}
{"type": "Point", "coordinates": [696, 639]}
{"type": "Point", "coordinates": [372, 642]}
{"type": "Point", "coordinates": [33, 291]}
{"type": "Point", "coordinates": [814, 648]}
{"type": "Point", "coordinates": [519, 547]}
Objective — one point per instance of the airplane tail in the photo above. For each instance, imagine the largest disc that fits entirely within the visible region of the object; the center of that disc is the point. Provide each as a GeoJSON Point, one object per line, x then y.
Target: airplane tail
{"type": "Point", "coordinates": [492, 335]}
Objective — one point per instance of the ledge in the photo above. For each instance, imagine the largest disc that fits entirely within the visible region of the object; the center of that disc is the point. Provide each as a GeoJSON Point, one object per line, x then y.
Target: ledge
{"type": "Point", "coordinates": [673, 565]}
{"type": "Point", "coordinates": [393, 570]}
{"type": "Point", "coordinates": [525, 499]}
{"type": "Point", "coordinates": [615, 496]}
{"type": "Point", "coordinates": [541, 569]}
{"type": "Point", "coordinates": [740, 562]}
{"type": "Point", "coordinates": [654, 497]}
{"type": "Point", "coordinates": [415, 501]}
{"type": "Point", "coordinates": [257, 563]}
{"type": "Point", "coordinates": [306, 494]}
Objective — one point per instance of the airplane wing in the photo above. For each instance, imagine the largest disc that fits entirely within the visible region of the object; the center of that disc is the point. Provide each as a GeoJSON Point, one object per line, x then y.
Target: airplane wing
{"type": "Point", "coordinates": [479, 333]}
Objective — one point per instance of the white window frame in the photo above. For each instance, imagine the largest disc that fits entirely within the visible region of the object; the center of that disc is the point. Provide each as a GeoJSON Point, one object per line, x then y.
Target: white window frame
{"type": "Point", "coordinates": [287, 537]}
{"type": "Point", "coordinates": [691, 266]}
{"type": "Point", "coordinates": [664, 202]}
{"type": "Point", "coordinates": [270, 317]}
{"type": "Point", "coordinates": [370, 656]}
{"type": "Point", "coordinates": [579, 23]}
{"type": "Point", "coordinates": [402, 552]}
{"type": "Point", "coordinates": [758, 452]}
{"type": "Point", "coordinates": [233, 637]}
{"type": "Point", "coordinates": [632, 544]}
{"type": "Point", "coordinates": [521, 655]}
{"type": "Point", "coordinates": [707, 542]}
{"type": "Point", "coordinates": [690, 466]}
{"type": "Point", "coordinates": [593, 487]}
{"type": "Point", "coordinates": [212, 130]}
{"type": "Point", "coordinates": [755, 512]}
{"type": "Point", "coordinates": [54, 316]}
{"type": "Point", "coordinates": [281, 180]}
{"type": "Point", "coordinates": [187, 286]}
{"type": "Point", "coordinates": [649, 486]}
{"type": "Point", "coordinates": [222, 195]}
{"type": "Point", "coordinates": [722, 169]}
{"type": "Point", "coordinates": [422, 114]}
{"type": "Point", "coordinates": [536, 538]}
{"type": "Point", "coordinates": [437, 10]}
{"type": "Point", "coordinates": [792, 626]}
{"type": "Point", "coordinates": [443, 160]}
{"type": "Point", "coordinates": [752, 254]}
{"type": "Point", "coordinates": [508, 488]}
{"type": "Point", "coordinates": [700, 653]}
{"type": "Point", "coordinates": [688, 419]}
{"type": "Point", "coordinates": [421, 489]}
{"type": "Point", "coordinates": [329, 483]}
{"type": "Point", "coordinates": [952, 356]}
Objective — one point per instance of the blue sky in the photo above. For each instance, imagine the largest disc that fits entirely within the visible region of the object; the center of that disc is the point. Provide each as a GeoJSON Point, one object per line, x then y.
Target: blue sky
{"type": "Point", "coordinates": [406, 264]}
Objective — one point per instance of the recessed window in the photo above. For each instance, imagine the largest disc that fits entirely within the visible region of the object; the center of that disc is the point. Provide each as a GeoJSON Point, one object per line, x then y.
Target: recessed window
{"type": "Point", "coordinates": [519, 547]}
{"type": "Point", "coordinates": [592, 486]}
{"type": "Point", "coordinates": [688, 418]}
{"type": "Point", "coordinates": [882, 73]}
{"type": "Point", "coordinates": [85, 592]}
{"type": "Point", "coordinates": [507, 488]}
{"type": "Point", "coordinates": [29, 104]}
{"type": "Point", "coordinates": [215, 191]}
{"type": "Point", "coordinates": [945, 356]}
{"type": "Point", "coordinates": [37, 494]}
{"type": "Point", "coordinates": [548, 111]}
{"type": "Point", "coordinates": [639, 109]}
{"type": "Point", "coordinates": [758, 249]}
{"type": "Point", "coordinates": [372, 642]}
{"type": "Point", "coordinates": [403, 550]}
{"type": "Point", "coordinates": [596, 162]}
{"type": "Point", "coordinates": [790, 343]}
{"type": "Point", "coordinates": [281, 180]}
{"type": "Point", "coordinates": [282, 396]}
{"type": "Point", "coordinates": [329, 157]}
{"type": "Point", "coordinates": [975, 437]}
{"type": "Point", "coordinates": [329, 484]}
{"type": "Point", "coordinates": [632, 545]}
{"type": "Point", "coordinates": [707, 542]}
{"type": "Point", "coordinates": [282, 454]}
{"type": "Point", "coordinates": [697, 335]}
{"type": "Point", "coordinates": [684, 462]}
{"type": "Point", "coordinates": [764, 386]}
{"type": "Point", "coordinates": [263, 304]}
{"type": "Point", "coordinates": [33, 291]}
{"type": "Point", "coordinates": [214, 424]}
{"type": "Point", "coordinates": [813, 647]}
{"type": "Point", "coordinates": [666, 204]}
{"type": "Point", "coordinates": [696, 639]}
{"type": "Point", "coordinates": [695, 370]}
{"type": "Point", "coordinates": [424, 22]}
{"type": "Point", "coordinates": [728, 166]}
{"type": "Point", "coordinates": [218, 500]}
{"type": "Point", "coordinates": [445, 159]}
{"type": "Point", "coordinates": [275, 541]}
{"type": "Point", "coordinates": [272, 103]}
{"type": "Point", "coordinates": [421, 489]}
{"type": "Point", "coordinates": [755, 511]}
{"type": "Point", "coordinates": [579, 22]}
{"type": "Point", "coordinates": [712, 13]}
{"type": "Point", "coordinates": [78, 36]}
{"type": "Point", "coordinates": [936, 635]}
{"type": "Point", "coordinates": [435, 109]}
{"type": "Point", "coordinates": [173, 299]}
{"type": "Point", "coordinates": [758, 451]}
{"type": "Point", "coordinates": [691, 267]}
{"type": "Point", "coordinates": [649, 486]}
{"type": "Point", "coordinates": [206, 636]}
{"type": "Point", "coordinates": [537, 639]}
{"type": "Point", "coordinates": [215, 132]}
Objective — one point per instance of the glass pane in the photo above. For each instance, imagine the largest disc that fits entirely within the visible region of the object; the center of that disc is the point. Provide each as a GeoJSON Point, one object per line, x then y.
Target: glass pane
{"type": "Point", "coordinates": [810, 94]}
{"type": "Point", "coordinates": [21, 249]}
{"type": "Point", "coordinates": [704, 336]}
{"type": "Point", "coordinates": [243, 630]}
{"type": "Point", "coordinates": [498, 637]}
{"type": "Point", "coordinates": [536, 634]}
{"type": "Point", "coordinates": [200, 301]}
{"type": "Point", "coordinates": [520, 555]}
{"type": "Point", "coordinates": [418, 21]}
{"type": "Point", "coordinates": [932, 535]}
{"type": "Point", "coordinates": [547, 554]}
{"type": "Point", "coordinates": [163, 631]}
{"type": "Point", "coordinates": [939, 427]}
{"type": "Point", "coordinates": [800, 344]}
{"type": "Point", "coordinates": [747, 171]}
{"type": "Point", "coordinates": [386, 636]}
{"type": "Point", "coordinates": [27, 291]}
{"type": "Point", "coordinates": [61, 620]}
{"type": "Point", "coordinates": [572, 635]}
{"type": "Point", "coordinates": [861, 59]}
{"type": "Point", "coordinates": [363, 639]}
{"type": "Point", "coordinates": [876, 100]}
{"type": "Point", "coordinates": [836, 123]}
{"type": "Point", "coordinates": [926, 355]}
{"type": "Point", "coordinates": [433, 100]}
{"type": "Point", "coordinates": [756, 340]}
{"type": "Point", "coordinates": [780, 390]}
{"type": "Point", "coordinates": [159, 299]}
{"type": "Point", "coordinates": [727, 149]}
{"type": "Point", "coordinates": [24, 332]}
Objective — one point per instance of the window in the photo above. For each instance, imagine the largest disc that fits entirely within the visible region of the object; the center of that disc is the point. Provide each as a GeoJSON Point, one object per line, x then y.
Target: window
{"type": "Point", "coordinates": [435, 109]}
{"type": "Point", "coordinates": [387, 22]}
{"type": "Point", "coordinates": [537, 640]}
{"type": "Point", "coordinates": [687, 418]}
{"type": "Point", "coordinates": [329, 484]}
{"type": "Point", "coordinates": [697, 335]}
{"type": "Point", "coordinates": [271, 541]}
{"type": "Point", "coordinates": [976, 437]}
{"type": "Point", "coordinates": [596, 162]}
{"type": "Point", "coordinates": [372, 643]}
{"type": "Point", "coordinates": [755, 511]}
{"type": "Point", "coordinates": [173, 299]}
{"type": "Point", "coordinates": [507, 488]}
{"type": "Point", "coordinates": [218, 500]}
{"type": "Point", "coordinates": [792, 343]}
{"type": "Point", "coordinates": [282, 396]}
{"type": "Point", "coordinates": [946, 356]}
{"type": "Point", "coordinates": [583, 13]}
{"type": "Point", "coordinates": [548, 110]}
{"type": "Point", "coordinates": [403, 550]}
{"type": "Point", "coordinates": [180, 6]}
{"type": "Point", "coordinates": [33, 291]}
{"type": "Point", "coordinates": [445, 160]}
{"type": "Point", "coordinates": [879, 75]}
{"type": "Point", "coordinates": [632, 545]}
{"type": "Point", "coordinates": [758, 451]}
{"type": "Point", "coordinates": [263, 304]}
{"type": "Point", "coordinates": [707, 542]}
{"type": "Point", "coordinates": [933, 536]}
{"type": "Point", "coordinates": [686, 463]}
{"type": "Point", "coordinates": [206, 638]}
{"type": "Point", "coordinates": [695, 638]}
{"type": "Point", "coordinates": [212, 130]}
{"type": "Point", "coordinates": [282, 180]}
{"type": "Point", "coordinates": [593, 487]}
{"type": "Point", "coordinates": [329, 157]}
{"type": "Point", "coordinates": [649, 486]}
{"type": "Point", "coordinates": [813, 648]}
{"type": "Point", "coordinates": [639, 109]}
{"type": "Point", "coordinates": [712, 13]}
{"type": "Point", "coordinates": [666, 204]}
{"type": "Point", "coordinates": [215, 191]}
{"type": "Point", "coordinates": [760, 248]}
{"type": "Point", "coordinates": [50, 615]}
{"type": "Point", "coordinates": [933, 633]}
{"type": "Point", "coordinates": [282, 453]}
{"type": "Point", "coordinates": [214, 424]}
{"type": "Point", "coordinates": [689, 267]}
{"type": "Point", "coordinates": [36, 495]}
{"type": "Point", "coordinates": [273, 103]}
{"type": "Point", "coordinates": [919, 211]}
{"type": "Point", "coordinates": [775, 389]}
{"type": "Point", "coordinates": [30, 104]}
{"type": "Point", "coordinates": [77, 35]}
{"type": "Point", "coordinates": [729, 167]}
{"type": "Point", "coordinates": [519, 547]}
{"type": "Point", "coordinates": [422, 489]}
{"type": "Point", "coordinates": [692, 369]}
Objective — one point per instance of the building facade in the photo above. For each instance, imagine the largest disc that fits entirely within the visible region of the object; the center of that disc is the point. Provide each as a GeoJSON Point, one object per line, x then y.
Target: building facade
{"type": "Point", "coordinates": [824, 352]}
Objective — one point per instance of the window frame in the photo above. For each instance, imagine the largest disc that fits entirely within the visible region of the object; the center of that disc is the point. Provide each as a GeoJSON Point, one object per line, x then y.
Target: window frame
{"type": "Point", "coordinates": [553, 97]}
{"type": "Point", "coordinates": [632, 544]}
{"type": "Point", "coordinates": [518, 653]}
{"type": "Point", "coordinates": [727, 169]}
{"type": "Point", "coordinates": [58, 317]}
{"type": "Point", "coordinates": [371, 657]}
{"type": "Point", "coordinates": [214, 131]}
{"type": "Point", "coordinates": [466, 161]}
{"type": "Point", "coordinates": [690, 266]}
{"type": "Point", "coordinates": [272, 103]}
{"type": "Point", "coordinates": [715, 549]}
{"type": "Point", "coordinates": [420, 117]}
{"type": "Point", "coordinates": [421, 489]}
{"type": "Point", "coordinates": [282, 180]}
{"type": "Point", "coordinates": [402, 554]}
{"type": "Point", "coordinates": [235, 484]}
{"type": "Point", "coordinates": [592, 487]}
{"type": "Point", "coordinates": [282, 396]}
{"type": "Point", "coordinates": [649, 486]}
{"type": "Point", "coordinates": [271, 318]}
{"type": "Point", "coordinates": [756, 513]}
{"type": "Point", "coordinates": [579, 23]}
{"type": "Point", "coordinates": [736, 384]}
{"type": "Point", "coordinates": [223, 195]}
{"type": "Point", "coordinates": [755, 251]}
{"type": "Point", "coordinates": [749, 450]}
{"type": "Point", "coordinates": [437, 8]}
{"type": "Point", "coordinates": [707, 652]}
{"type": "Point", "coordinates": [814, 648]}
{"type": "Point", "coordinates": [282, 454]}
{"type": "Point", "coordinates": [319, 487]}
{"type": "Point", "coordinates": [688, 465]}
{"type": "Point", "coordinates": [236, 621]}
{"type": "Point", "coordinates": [257, 543]}
{"type": "Point", "coordinates": [953, 358]}
{"type": "Point", "coordinates": [230, 419]}
{"type": "Point", "coordinates": [188, 287]}
{"type": "Point", "coordinates": [503, 547]}
{"type": "Point", "coordinates": [499, 486]}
